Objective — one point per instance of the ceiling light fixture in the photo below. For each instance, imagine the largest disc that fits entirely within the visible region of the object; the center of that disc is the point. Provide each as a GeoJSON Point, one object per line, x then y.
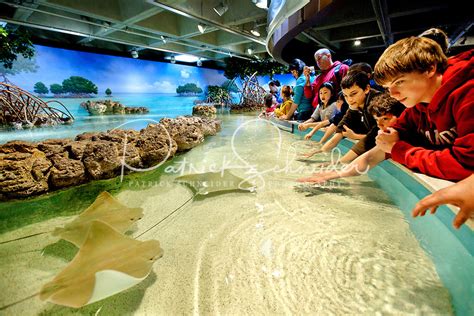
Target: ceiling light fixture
{"type": "Point", "coordinates": [163, 39]}
{"type": "Point", "coordinates": [134, 53]}
{"type": "Point", "coordinates": [357, 43]}
{"type": "Point", "coordinates": [254, 30]}
{"type": "Point", "coordinates": [221, 8]}
{"type": "Point", "coordinates": [199, 62]}
{"type": "Point", "coordinates": [172, 59]}
{"type": "Point", "coordinates": [262, 4]}
{"type": "Point", "coordinates": [202, 27]}
{"type": "Point", "coordinates": [184, 58]}
{"type": "Point", "coordinates": [249, 50]}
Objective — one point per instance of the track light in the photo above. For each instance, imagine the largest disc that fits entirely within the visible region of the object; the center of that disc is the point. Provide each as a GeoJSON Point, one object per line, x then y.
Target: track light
{"type": "Point", "coordinates": [202, 27]}
{"type": "Point", "coordinates": [254, 30]}
{"type": "Point", "coordinates": [357, 43]}
{"type": "Point", "coordinates": [221, 8]}
{"type": "Point", "coordinates": [199, 62]}
{"type": "Point", "coordinates": [134, 53]}
{"type": "Point", "coordinates": [250, 50]}
{"type": "Point", "coordinates": [262, 4]}
{"type": "Point", "coordinates": [163, 39]}
{"type": "Point", "coordinates": [173, 59]}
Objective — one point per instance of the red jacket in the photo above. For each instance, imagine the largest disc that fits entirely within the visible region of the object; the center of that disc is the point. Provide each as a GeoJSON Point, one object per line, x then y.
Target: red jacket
{"type": "Point", "coordinates": [312, 92]}
{"type": "Point", "coordinates": [437, 139]}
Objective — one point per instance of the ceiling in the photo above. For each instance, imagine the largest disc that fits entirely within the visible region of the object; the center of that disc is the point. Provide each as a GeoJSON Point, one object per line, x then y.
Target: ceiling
{"type": "Point", "coordinates": [155, 29]}
{"type": "Point", "coordinates": [377, 24]}
{"type": "Point", "coordinates": [159, 29]}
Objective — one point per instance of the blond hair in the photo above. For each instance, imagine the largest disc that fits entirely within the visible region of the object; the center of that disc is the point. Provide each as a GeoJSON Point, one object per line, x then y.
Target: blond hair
{"type": "Point", "coordinates": [412, 54]}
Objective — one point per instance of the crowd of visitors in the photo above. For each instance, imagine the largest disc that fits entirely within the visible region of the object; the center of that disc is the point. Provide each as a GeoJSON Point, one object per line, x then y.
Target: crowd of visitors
{"type": "Point", "coordinates": [416, 107]}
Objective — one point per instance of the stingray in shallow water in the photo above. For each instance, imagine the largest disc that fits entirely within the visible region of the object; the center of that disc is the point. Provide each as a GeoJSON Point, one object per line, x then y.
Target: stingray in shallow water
{"type": "Point", "coordinates": [107, 263]}
{"type": "Point", "coordinates": [105, 209]}
{"type": "Point", "coordinates": [213, 182]}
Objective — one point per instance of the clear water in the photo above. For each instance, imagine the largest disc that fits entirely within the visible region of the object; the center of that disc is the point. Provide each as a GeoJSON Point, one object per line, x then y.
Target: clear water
{"type": "Point", "coordinates": [284, 249]}
{"type": "Point", "coordinates": [159, 105]}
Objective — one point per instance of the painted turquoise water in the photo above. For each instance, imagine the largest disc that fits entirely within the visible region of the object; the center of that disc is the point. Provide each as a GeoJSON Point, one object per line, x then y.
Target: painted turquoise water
{"type": "Point", "coordinates": [159, 105]}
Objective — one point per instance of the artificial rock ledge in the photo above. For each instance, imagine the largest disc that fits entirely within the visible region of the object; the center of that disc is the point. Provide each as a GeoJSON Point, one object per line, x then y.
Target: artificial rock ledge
{"type": "Point", "coordinates": [28, 169]}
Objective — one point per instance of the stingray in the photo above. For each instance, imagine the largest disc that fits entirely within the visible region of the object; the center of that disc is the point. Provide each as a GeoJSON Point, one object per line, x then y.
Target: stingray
{"type": "Point", "coordinates": [215, 182]}
{"type": "Point", "coordinates": [107, 263]}
{"type": "Point", "coordinates": [105, 209]}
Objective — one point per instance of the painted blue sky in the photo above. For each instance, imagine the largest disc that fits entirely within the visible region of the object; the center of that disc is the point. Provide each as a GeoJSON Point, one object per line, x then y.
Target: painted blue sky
{"type": "Point", "coordinates": [121, 75]}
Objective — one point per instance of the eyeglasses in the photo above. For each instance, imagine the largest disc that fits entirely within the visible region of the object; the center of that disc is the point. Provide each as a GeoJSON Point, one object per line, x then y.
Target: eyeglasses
{"type": "Point", "coordinates": [318, 57]}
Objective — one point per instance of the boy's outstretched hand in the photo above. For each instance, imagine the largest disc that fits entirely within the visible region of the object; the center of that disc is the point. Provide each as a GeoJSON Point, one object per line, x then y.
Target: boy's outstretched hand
{"type": "Point", "coordinates": [460, 194]}
{"type": "Point", "coordinates": [320, 177]}
{"type": "Point", "coordinates": [312, 153]}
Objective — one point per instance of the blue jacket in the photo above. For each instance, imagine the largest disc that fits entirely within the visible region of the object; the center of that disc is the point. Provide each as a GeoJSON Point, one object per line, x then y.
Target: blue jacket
{"type": "Point", "coordinates": [304, 104]}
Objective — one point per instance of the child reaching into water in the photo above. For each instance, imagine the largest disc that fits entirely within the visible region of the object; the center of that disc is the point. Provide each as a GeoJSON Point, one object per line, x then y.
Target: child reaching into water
{"type": "Point", "coordinates": [287, 102]}
{"type": "Point", "coordinates": [339, 111]}
{"type": "Point", "coordinates": [325, 109]}
{"type": "Point", "coordinates": [357, 123]}
{"type": "Point", "coordinates": [385, 110]}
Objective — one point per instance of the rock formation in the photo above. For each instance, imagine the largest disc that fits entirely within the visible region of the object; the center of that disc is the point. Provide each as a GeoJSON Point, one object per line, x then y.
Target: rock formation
{"type": "Point", "coordinates": [104, 107]}
{"type": "Point", "coordinates": [28, 169]}
{"type": "Point", "coordinates": [205, 110]}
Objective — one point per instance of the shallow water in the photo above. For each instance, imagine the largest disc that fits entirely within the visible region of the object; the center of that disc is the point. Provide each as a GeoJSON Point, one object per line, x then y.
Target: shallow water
{"type": "Point", "coordinates": [286, 248]}
{"type": "Point", "coordinates": [159, 105]}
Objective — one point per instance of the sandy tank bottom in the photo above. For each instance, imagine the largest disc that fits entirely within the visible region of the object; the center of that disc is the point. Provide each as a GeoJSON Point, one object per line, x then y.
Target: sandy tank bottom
{"type": "Point", "coordinates": [286, 248]}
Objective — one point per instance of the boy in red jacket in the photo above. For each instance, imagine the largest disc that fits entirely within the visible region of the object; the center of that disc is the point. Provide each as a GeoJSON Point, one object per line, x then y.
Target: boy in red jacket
{"type": "Point", "coordinates": [435, 134]}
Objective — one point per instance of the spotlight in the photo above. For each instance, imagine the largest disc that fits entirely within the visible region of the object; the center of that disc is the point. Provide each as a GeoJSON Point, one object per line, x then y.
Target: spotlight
{"type": "Point", "coordinates": [254, 30]}
{"type": "Point", "coordinates": [134, 53]}
{"type": "Point", "coordinates": [250, 50]}
{"type": "Point", "coordinates": [463, 40]}
{"type": "Point", "coordinates": [262, 4]}
{"type": "Point", "coordinates": [202, 27]}
{"type": "Point", "coordinates": [173, 59]}
{"type": "Point", "coordinates": [357, 43]}
{"type": "Point", "coordinates": [199, 62]}
{"type": "Point", "coordinates": [163, 39]}
{"type": "Point", "coordinates": [221, 8]}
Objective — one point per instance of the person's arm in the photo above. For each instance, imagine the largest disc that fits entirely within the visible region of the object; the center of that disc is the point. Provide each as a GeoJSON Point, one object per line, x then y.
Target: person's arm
{"type": "Point", "coordinates": [308, 89]}
{"type": "Point", "coordinates": [458, 194]}
{"type": "Point", "coordinates": [292, 110]}
{"type": "Point", "coordinates": [359, 166]}
{"type": "Point", "coordinates": [348, 157]}
{"type": "Point", "coordinates": [329, 131]}
{"type": "Point", "coordinates": [316, 127]}
{"type": "Point", "coordinates": [332, 142]}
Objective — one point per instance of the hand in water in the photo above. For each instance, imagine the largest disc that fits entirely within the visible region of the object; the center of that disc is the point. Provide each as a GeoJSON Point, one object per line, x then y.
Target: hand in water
{"type": "Point", "coordinates": [312, 153]}
{"type": "Point", "coordinates": [320, 177]}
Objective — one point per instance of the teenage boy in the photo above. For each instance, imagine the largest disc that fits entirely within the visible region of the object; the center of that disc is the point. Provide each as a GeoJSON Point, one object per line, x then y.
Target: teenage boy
{"type": "Point", "coordinates": [357, 123]}
{"type": "Point", "coordinates": [435, 134]}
